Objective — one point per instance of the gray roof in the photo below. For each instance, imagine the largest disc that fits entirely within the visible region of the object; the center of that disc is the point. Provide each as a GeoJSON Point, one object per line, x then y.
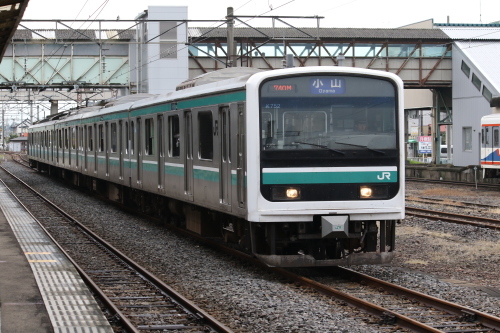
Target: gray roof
{"type": "Point", "coordinates": [324, 33]}
{"type": "Point", "coordinates": [68, 34]}
{"type": "Point", "coordinates": [277, 33]}
{"type": "Point", "coordinates": [485, 57]}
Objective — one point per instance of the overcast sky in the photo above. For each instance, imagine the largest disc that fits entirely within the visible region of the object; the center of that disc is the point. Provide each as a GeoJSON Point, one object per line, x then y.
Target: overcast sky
{"type": "Point", "coordinates": [337, 13]}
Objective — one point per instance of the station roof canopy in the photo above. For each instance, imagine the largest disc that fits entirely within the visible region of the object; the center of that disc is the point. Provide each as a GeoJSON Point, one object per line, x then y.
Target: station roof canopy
{"type": "Point", "coordinates": [11, 13]}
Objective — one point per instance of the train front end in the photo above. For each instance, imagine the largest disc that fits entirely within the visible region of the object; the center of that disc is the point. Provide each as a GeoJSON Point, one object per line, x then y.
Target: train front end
{"type": "Point", "coordinates": [327, 184]}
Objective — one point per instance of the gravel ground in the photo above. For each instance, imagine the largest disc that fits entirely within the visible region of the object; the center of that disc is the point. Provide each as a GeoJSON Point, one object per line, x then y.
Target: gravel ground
{"type": "Point", "coordinates": [453, 262]}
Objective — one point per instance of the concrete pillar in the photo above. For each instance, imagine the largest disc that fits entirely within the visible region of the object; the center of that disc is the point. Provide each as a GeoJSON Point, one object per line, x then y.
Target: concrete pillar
{"type": "Point", "coordinates": [54, 107]}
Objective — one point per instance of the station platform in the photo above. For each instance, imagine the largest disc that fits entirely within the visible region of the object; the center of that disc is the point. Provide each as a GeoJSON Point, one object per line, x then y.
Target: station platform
{"type": "Point", "coordinates": [40, 290]}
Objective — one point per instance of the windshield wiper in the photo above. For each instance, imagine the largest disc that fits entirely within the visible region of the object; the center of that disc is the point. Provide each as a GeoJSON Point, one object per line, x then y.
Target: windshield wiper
{"type": "Point", "coordinates": [362, 146]}
{"type": "Point", "coordinates": [321, 146]}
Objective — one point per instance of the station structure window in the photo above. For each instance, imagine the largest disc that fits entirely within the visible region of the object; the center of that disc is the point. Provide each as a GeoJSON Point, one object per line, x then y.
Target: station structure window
{"type": "Point", "coordinates": [487, 94]}
{"type": "Point", "coordinates": [467, 138]}
{"type": "Point", "coordinates": [476, 81]}
{"type": "Point", "coordinates": [465, 69]}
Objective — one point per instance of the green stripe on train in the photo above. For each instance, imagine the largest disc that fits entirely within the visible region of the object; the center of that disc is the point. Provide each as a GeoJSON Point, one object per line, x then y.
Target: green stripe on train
{"type": "Point", "coordinates": [211, 176]}
{"type": "Point", "coordinates": [329, 177]}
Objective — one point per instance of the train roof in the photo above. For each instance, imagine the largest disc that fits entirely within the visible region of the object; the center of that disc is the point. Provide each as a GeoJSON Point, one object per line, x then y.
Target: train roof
{"type": "Point", "coordinates": [491, 119]}
{"type": "Point", "coordinates": [219, 75]}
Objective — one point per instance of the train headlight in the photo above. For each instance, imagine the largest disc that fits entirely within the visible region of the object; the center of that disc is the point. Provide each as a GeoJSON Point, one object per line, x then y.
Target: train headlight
{"type": "Point", "coordinates": [292, 193]}
{"type": "Point", "coordinates": [365, 192]}
{"type": "Point", "coordinates": [285, 193]}
{"type": "Point", "coordinates": [373, 192]}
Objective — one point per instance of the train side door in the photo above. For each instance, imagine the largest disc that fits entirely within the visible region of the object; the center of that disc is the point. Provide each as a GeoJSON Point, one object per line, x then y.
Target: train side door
{"type": "Point", "coordinates": [139, 150]}
{"type": "Point", "coordinates": [188, 156]}
{"type": "Point", "coordinates": [160, 154]}
{"type": "Point", "coordinates": [488, 143]}
{"type": "Point", "coordinates": [495, 144]}
{"type": "Point", "coordinates": [120, 144]}
{"type": "Point", "coordinates": [96, 144]}
{"type": "Point", "coordinates": [240, 157]}
{"type": "Point", "coordinates": [86, 148]}
{"type": "Point", "coordinates": [106, 146]}
{"type": "Point", "coordinates": [225, 156]}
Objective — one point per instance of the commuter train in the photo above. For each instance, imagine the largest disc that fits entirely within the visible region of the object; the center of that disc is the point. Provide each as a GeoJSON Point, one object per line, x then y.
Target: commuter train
{"type": "Point", "coordinates": [490, 146]}
{"type": "Point", "coordinates": [271, 160]}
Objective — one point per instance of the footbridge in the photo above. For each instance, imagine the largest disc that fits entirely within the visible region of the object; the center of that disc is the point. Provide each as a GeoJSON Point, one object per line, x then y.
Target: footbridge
{"type": "Point", "coordinates": [80, 66]}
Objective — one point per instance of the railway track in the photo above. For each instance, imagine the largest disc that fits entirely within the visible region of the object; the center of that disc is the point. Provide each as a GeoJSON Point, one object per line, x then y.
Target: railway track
{"type": "Point", "coordinates": [137, 300]}
{"type": "Point", "coordinates": [450, 203]}
{"type": "Point", "coordinates": [400, 307]}
{"type": "Point", "coordinates": [403, 307]}
{"type": "Point", "coordinates": [448, 182]}
{"type": "Point", "coordinates": [481, 222]}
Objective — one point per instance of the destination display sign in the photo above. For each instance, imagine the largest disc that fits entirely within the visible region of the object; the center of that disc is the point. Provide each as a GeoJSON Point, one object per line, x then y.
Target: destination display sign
{"type": "Point", "coordinates": [327, 86]}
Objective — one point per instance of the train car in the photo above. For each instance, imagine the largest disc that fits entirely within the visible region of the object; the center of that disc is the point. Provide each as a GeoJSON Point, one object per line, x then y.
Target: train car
{"type": "Point", "coordinates": [298, 166]}
{"type": "Point", "coordinates": [490, 146]}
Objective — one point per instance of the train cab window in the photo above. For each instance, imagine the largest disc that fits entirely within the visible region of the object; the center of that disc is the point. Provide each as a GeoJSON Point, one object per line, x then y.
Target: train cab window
{"type": "Point", "coordinates": [149, 134]}
{"type": "Point", "coordinates": [101, 138]}
{"type": "Point", "coordinates": [205, 136]}
{"type": "Point", "coordinates": [114, 138]}
{"type": "Point", "coordinates": [174, 142]}
{"type": "Point", "coordinates": [90, 138]}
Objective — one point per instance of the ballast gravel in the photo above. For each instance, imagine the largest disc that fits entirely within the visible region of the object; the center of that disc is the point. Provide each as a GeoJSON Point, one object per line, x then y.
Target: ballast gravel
{"type": "Point", "coordinates": [246, 299]}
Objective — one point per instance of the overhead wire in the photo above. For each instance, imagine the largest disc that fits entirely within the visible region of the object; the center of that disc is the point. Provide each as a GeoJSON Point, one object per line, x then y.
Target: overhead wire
{"type": "Point", "coordinates": [157, 57]}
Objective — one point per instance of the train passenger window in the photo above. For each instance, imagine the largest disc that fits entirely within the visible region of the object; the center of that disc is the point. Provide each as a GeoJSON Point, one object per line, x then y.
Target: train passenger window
{"type": "Point", "coordinates": [174, 140]}
{"type": "Point", "coordinates": [73, 138]}
{"type": "Point", "coordinates": [160, 136]}
{"type": "Point", "coordinates": [101, 138]}
{"type": "Point", "coordinates": [90, 137]}
{"type": "Point", "coordinates": [126, 137]}
{"type": "Point", "coordinates": [205, 136]}
{"type": "Point", "coordinates": [114, 138]}
{"type": "Point", "coordinates": [60, 138]}
{"type": "Point", "coordinates": [495, 137]}
{"type": "Point", "coordinates": [80, 138]}
{"type": "Point", "coordinates": [149, 134]}
{"type": "Point", "coordinates": [132, 137]}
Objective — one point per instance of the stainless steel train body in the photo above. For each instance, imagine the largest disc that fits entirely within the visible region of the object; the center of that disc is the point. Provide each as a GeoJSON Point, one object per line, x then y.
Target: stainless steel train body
{"type": "Point", "coordinates": [274, 160]}
{"type": "Point", "coordinates": [490, 146]}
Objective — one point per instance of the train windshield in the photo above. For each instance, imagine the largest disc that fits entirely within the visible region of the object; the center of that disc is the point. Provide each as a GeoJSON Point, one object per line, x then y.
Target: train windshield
{"type": "Point", "coordinates": [336, 113]}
